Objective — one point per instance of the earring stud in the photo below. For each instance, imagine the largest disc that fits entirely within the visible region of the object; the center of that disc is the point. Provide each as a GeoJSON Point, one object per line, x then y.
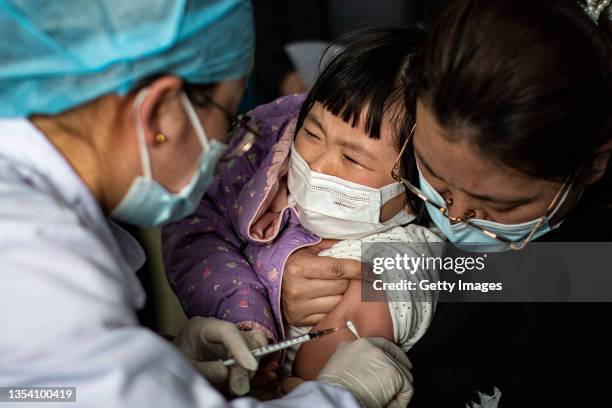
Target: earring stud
{"type": "Point", "coordinates": [160, 138]}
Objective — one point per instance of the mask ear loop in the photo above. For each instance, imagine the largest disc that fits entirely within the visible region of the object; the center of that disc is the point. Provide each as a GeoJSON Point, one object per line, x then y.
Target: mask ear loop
{"type": "Point", "coordinates": [390, 191]}
{"type": "Point", "coordinates": [558, 202]}
{"type": "Point", "coordinates": [195, 122]}
{"type": "Point", "coordinates": [568, 187]}
{"type": "Point", "coordinates": [140, 132]}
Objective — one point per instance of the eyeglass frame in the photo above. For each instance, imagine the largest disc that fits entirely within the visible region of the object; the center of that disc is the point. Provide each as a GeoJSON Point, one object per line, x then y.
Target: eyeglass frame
{"type": "Point", "coordinates": [514, 245]}
{"type": "Point", "coordinates": [237, 123]}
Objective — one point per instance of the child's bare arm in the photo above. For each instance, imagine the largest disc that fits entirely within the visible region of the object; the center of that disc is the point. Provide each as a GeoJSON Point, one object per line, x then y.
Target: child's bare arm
{"type": "Point", "coordinates": [372, 319]}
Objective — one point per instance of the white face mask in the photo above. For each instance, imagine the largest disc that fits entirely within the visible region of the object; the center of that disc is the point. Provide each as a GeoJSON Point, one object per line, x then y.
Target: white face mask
{"type": "Point", "coordinates": [335, 208]}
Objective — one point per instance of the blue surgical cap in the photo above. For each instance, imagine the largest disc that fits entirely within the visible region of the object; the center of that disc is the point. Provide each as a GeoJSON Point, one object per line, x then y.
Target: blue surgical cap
{"type": "Point", "coordinates": [58, 54]}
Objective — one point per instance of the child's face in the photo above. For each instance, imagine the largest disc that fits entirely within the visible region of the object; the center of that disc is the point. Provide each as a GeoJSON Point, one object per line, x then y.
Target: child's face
{"type": "Point", "coordinates": [331, 146]}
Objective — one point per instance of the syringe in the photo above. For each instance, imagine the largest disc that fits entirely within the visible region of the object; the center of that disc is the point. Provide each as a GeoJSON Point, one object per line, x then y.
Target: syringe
{"type": "Point", "coordinates": [271, 348]}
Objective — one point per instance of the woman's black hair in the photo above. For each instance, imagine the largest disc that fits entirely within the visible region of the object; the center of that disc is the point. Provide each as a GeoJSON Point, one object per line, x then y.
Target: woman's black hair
{"type": "Point", "coordinates": [529, 83]}
{"type": "Point", "coordinates": [366, 81]}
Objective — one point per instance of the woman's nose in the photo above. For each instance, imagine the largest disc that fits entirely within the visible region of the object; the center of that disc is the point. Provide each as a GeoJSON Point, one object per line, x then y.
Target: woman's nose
{"type": "Point", "coordinates": [460, 207]}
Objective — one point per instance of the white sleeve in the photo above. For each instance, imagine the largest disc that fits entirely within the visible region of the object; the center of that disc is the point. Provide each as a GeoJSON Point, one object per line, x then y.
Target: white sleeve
{"type": "Point", "coordinates": [308, 395]}
{"type": "Point", "coordinates": [67, 319]}
{"type": "Point", "coordinates": [411, 311]}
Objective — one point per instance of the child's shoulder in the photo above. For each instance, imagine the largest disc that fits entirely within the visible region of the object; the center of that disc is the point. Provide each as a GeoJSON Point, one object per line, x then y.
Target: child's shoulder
{"type": "Point", "coordinates": [408, 233]}
{"type": "Point", "coordinates": [421, 233]}
{"type": "Point", "coordinates": [271, 120]}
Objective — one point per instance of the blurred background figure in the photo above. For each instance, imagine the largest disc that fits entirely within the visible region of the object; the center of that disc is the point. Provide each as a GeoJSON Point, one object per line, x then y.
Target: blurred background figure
{"type": "Point", "coordinates": [292, 35]}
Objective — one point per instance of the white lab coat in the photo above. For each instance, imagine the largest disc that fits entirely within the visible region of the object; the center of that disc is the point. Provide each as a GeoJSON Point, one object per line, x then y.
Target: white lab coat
{"type": "Point", "coordinates": [68, 294]}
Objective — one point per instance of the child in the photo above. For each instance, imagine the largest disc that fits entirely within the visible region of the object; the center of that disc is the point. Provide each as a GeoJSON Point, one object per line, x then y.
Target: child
{"type": "Point", "coordinates": [321, 170]}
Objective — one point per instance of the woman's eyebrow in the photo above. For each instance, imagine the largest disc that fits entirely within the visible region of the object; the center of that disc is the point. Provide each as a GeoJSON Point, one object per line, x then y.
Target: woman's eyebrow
{"type": "Point", "coordinates": [507, 201]}
{"type": "Point", "coordinates": [483, 197]}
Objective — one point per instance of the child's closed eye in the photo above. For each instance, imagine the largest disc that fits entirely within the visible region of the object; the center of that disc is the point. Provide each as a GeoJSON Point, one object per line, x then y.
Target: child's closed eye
{"type": "Point", "coordinates": [311, 135]}
{"type": "Point", "coordinates": [355, 162]}
{"type": "Point", "coordinates": [350, 159]}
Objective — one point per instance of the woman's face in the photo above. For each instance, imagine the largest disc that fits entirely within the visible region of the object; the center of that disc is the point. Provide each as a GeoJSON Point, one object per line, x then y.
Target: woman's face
{"type": "Point", "coordinates": [331, 146]}
{"type": "Point", "coordinates": [457, 170]}
{"type": "Point", "coordinates": [174, 161]}
{"type": "Point", "coordinates": [174, 166]}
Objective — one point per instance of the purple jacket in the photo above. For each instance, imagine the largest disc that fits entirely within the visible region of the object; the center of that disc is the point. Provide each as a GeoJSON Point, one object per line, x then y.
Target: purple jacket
{"type": "Point", "coordinates": [214, 264]}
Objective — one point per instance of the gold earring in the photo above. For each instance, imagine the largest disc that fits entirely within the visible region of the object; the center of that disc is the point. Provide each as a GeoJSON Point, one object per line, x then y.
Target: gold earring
{"type": "Point", "coordinates": [160, 138]}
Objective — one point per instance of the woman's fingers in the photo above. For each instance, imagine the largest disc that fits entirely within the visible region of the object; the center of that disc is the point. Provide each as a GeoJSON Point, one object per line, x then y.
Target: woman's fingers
{"type": "Point", "coordinates": [326, 267]}
{"type": "Point", "coordinates": [323, 245]}
{"type": "Point", "coordinates": [227, 334]}
{"type": "Point", "coordinates": [322, 305]}
{"type": "Point", "coordinates": [255, 338]}
{"type": "Point", "coordinates": [306, 265]}
{"type": "Point", "coordinates": [315, 288]}
{"type": "Point", "coordinates": [321, 288]}
{"type": "Point", "coordinates": [263, 225]}
{"type": "Point", "coordinates": [394, 351]}
{"type": "Point", "coordinates": [302, 282]}
{"type": "Point", "coordinates": [214, 371]}
{"type": "Point", "coordinates": [301, 312]}
{"type": "Point", "coordinates": [313, 320]}
{"type": "Point", "coordinates": [239, 380]}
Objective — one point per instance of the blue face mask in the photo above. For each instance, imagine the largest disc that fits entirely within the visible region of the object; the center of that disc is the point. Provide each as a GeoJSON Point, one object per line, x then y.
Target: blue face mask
{"type": "Point", "coordinates": [471, 239]}
{"type": "Point", "coordinates": [147, 203]}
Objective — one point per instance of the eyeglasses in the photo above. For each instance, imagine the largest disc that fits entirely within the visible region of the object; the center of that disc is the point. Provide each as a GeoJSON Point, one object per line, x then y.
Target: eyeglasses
{"type": "Point", "coordinates": [238, 124]}
{"type": "Point", "coordinates": [514, 245]}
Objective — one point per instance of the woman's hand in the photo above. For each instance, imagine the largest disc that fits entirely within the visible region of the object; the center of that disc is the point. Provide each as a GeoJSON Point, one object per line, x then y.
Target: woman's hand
{"type": "Point", "coordinates": [380, 377]}
{"type": "Point", "coordinates": [206, 341]}
{"type": "Point", "coordinates": [313, 285]}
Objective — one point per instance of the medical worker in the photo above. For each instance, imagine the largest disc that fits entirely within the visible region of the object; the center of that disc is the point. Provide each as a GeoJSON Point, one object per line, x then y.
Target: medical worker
{"type": "Point", "coordinates": [110, 109]}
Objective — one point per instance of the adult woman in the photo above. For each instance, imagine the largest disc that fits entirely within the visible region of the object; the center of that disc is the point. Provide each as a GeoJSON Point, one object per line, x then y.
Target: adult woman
{"type": "Point", "coordinates": [88, 104]}
{"type": "Point", "coordinates": [530, 110]}
{"type": "Point", "coordinates": [520, 92]}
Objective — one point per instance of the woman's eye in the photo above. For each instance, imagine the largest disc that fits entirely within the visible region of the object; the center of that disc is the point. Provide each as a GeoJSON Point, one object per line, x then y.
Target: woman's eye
{"type": "Point", "coordinates": [430, 175]}
{"type": "Point", "coordinates": [504, 209]}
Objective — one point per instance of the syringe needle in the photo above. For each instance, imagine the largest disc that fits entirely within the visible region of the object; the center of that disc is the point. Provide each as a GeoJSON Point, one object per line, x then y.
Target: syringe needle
{"type": "Point", "coordinates": [271, 348]}
{"type": "Point", "coordinates": [323, 332]}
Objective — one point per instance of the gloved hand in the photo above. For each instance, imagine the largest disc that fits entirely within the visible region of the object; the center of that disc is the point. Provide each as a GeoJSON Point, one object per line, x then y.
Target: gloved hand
{"type": "Point", "coordinates": [375, 370]}
{"type": "Point", "coordinates": [206, 341]}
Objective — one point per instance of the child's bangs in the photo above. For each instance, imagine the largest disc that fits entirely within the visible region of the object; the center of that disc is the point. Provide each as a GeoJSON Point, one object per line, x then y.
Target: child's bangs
{"type": "Point", "coordinates": [365, 84]}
